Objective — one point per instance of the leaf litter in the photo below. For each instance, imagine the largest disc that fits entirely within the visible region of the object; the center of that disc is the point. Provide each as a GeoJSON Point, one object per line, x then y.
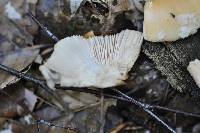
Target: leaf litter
{"type": "Point", "coordinates": [80, 110]}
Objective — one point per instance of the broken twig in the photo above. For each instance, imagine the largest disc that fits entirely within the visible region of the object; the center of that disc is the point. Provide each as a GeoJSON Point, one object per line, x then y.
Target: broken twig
{"type": "Point", "coordinates": [108, 95]}
{"type": "Point", "coordinates": [44, 29]}
{"type": "Point", "coordinates": [49, 124]}
{"type": "Point", "coordinates": [26, 77]}
{"type": "Point", "coordinates": [145, 108]}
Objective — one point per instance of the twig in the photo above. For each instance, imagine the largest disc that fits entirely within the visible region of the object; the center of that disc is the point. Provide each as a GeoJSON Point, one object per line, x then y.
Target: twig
{"type": "Point", "coordinates": [145, 108]}
{"type": "Point", "coordinates": [49, 124]}
{"type": "Point", "coordinates": [41, 84]}
{"type": "Point", "coordinates": [38, 46]}
{"type": "Point", "coordinates": [26, 77]}
{"type": "Point", "coordinates": [152, 107]}
{"type": "Point", "coordinates": [38, 127]}
{"type": "Point", "coordinates": [44, 29]}
{"type": "Point", "coordinates": [91, 91]}
{"type": "Point", "coordinates": [174, 110]}
{"type": "Point", "coordinates": [102, 113]}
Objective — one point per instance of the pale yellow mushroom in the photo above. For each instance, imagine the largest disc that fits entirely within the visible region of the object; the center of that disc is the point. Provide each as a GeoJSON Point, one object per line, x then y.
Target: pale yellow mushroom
{"type": "Point", "coordinates": [170, 20]}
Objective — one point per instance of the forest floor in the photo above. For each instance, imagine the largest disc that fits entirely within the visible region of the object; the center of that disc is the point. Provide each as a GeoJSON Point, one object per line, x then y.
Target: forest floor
{"type": "Point", "coordinates": [27, 108]}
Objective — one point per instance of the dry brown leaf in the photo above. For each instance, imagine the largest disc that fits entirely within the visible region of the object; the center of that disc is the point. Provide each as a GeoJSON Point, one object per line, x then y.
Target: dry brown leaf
{"type": "Point", "coordinates": [11, 105]}
{"type": "Point", "coordinates": [17, 60]}
{"type": "Point", "coordinates": [16, 32]}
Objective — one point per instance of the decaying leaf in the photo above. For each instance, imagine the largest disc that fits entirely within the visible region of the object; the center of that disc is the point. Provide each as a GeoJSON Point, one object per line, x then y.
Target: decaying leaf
{"type": "Point", "coordinates": [74, 5]}
{"type": "Point", "coordinates": [102, 61]}
{"type": "Point", "coordinates": [89, 119]}
{"type": "Point", "coordinates": [16, 11]}
{"type": "Point", "coordinates": [48, 113]}
{"type": "Point", "coordinates": [11, 105]}
{"type": "Point", "coordinates": [77, 100]}
{"type": "Point", "coordinates": [18, 60]}
{"type": "Point", "coordinates": [16, 32]}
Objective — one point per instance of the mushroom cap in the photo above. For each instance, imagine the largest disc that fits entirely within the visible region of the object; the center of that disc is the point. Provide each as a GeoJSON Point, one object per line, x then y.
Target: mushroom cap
{"type": "Point", "coordinates": [169, 20]}
{"type": "Point", "coordinates": [99, 61]}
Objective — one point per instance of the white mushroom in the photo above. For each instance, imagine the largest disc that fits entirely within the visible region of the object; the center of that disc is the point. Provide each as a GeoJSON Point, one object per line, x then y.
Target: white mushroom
{"type": "Point", "coordinates": [100, 61]}
{"type": "Point", "coordinates": [194, 69]}
{"type": "Point", "coordinates": [169, 20]}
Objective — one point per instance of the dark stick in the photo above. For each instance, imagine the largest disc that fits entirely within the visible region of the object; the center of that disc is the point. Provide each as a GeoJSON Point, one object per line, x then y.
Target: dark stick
{"type": "Point", "coordinates": [91, 91]}
{"type": "Point", "coordinates": [38, 127]}
{"type": "Point", "coordinates": [174, 110]}
{"type": "Point", "coordinates": [49, 124]}
{"type": "Point", "coordinates": [107, 95]}
{"type": "Point", "coordinates": [41, 84]}
{"type": "Point", "coordinates": [145, 108]}
{"type": "Point", "coordinates": [44, 29]}
{"type": "Point", "coordinates": [26, 77]}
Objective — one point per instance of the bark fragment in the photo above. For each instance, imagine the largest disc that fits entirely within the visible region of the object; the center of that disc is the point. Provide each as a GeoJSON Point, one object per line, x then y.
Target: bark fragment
{"type": "Point", "coordinates": [172, 59]}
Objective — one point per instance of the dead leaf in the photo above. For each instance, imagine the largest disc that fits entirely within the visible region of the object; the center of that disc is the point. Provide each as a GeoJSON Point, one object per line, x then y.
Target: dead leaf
{"type": "Point", "coordinates": [77, 100]}
{"type": "Point", "coordinates": [10, 105]}
{"type": "Point", "coordinates": [14, 36]}
{"type": "Point", "coordinates": [89, 120]}
{"type": "Point", "coordinates": [18, 60]}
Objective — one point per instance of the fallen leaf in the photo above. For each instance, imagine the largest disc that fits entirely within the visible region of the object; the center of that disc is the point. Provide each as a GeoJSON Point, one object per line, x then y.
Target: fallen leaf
{"type": "Point", "coordinates": [17, 60]}
{"type": "Point", "coordinates": [14, 37]}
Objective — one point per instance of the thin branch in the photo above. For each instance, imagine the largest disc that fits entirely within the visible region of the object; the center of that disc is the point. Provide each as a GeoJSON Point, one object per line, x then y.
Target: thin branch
{"type": "Point", "coordinates": [50, 124]}
{"type": "Point", "coordinates": [41, 84]}
{"type": "Point", "coordinates": [26, 77]}
{"type": "Point", "coordinates": [44, 29]}
{"type": "Point", "coordinates": [91, 91]}
{"type": "Point", "coordinates": [145, 108]}
{"type": "Point", "coordinates": [102, 120]}
{"type": "Point", "coordinates": [175, 111]}
{"type": "Point", "coordinates": [107, 95]}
